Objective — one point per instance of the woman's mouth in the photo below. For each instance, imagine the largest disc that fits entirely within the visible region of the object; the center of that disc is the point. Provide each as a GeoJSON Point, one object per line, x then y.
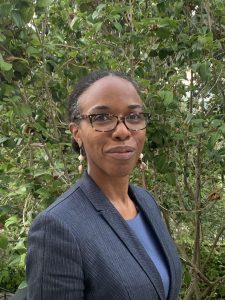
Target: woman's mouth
{"type": "Point", "coordinates": [121, 152]}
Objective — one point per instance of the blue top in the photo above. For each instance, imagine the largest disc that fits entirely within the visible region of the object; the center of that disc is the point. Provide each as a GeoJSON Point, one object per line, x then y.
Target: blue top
{"type": "Point", "coordinates": [152, 247]}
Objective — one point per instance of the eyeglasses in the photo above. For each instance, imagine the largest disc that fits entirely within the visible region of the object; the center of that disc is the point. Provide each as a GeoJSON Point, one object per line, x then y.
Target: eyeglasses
{"type": "Point", "coordinates": [108, 122]}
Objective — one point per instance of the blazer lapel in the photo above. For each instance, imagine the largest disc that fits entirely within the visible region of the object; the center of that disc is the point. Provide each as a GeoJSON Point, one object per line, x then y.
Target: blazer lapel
{"type": "Point", "coordinates": [165, 241]}
{"type": "Point", "coordinates": [127, 237]}
{"type": "Point", "coordinates": [122, 230]}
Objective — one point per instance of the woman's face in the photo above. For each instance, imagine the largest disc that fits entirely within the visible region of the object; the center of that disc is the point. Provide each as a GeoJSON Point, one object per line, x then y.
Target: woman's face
{"type": "Point", "coordinates": [112, 153]}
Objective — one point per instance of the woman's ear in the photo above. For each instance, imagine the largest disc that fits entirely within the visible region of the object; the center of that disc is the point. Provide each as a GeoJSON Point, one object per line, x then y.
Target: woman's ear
{"type": "Point", "coordinates": [74, 129]}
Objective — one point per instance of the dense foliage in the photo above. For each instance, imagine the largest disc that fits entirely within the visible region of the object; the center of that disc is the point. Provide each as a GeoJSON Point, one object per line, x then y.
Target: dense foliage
{"type": "Point", "coordinates": [175, 50]}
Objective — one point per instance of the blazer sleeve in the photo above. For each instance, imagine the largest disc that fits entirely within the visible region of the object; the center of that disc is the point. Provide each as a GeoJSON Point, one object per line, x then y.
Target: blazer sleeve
{"type": "Point", "coordinates": [54, 265]}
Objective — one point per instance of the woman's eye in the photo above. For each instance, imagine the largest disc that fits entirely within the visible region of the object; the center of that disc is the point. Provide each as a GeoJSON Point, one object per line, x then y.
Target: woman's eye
{"type": "Point", "coordinates": [101, 118]}
{"type": "Point", "coordinates": [134, 117]}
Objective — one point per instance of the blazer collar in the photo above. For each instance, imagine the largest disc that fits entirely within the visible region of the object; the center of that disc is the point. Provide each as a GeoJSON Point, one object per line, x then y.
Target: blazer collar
{"type": "Point", "coordinates": [122, 230]}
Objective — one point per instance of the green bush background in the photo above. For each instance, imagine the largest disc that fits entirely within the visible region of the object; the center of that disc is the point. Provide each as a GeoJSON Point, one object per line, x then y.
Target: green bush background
{"type": "Point", "coordinates": [175, 51]}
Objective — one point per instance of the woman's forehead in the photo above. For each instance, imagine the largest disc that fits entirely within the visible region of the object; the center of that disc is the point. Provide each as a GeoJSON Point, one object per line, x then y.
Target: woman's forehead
{"type": "Point", "coordinates": [110, 91]}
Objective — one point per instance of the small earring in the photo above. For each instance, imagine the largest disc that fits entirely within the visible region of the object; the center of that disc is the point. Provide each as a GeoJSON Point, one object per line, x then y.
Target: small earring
{"type": "Point", "coordinates": [143, 165]}
{"type": "Point", "coordinates": [80, 158]}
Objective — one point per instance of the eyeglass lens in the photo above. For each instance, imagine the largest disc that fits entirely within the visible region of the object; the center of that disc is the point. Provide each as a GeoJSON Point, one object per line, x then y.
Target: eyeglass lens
{"type": "Point", "coordinates": [106, 122]}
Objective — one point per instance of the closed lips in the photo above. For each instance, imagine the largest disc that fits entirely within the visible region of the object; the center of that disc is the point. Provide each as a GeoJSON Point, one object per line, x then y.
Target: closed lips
{"type": "Point", "coordinates": [123, 149]}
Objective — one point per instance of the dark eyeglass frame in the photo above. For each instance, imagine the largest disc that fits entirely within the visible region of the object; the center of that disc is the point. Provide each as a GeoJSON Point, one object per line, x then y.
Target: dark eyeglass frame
{"type": "Point", "coordinates": [119, 119]}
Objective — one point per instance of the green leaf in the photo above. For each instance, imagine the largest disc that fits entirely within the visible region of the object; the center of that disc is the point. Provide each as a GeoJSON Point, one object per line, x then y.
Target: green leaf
{"type": "Point", "coordinates": [27, 13]}
{"type": "Point", "coordinates": [2, 38]}
{"type": "Point", "coordinates": [204, 71]}
{"type": "Point", "coordinates": [22, 260]}
{"type": "Point", "coordinates": [166, 96]}
{"type": "Point", "coordinates": [213, 139]}
{"type": "Point", "coordinates": [160, 162]}
{"type": "Point", "coordinates": [158, 137]}
{"type": "Point", "coordinates": [74, 23]}
{"type": "Point", "coordinates": [95, 14]}
{"type": "Point", "coordinates": [179, 136]}
{"type": "Point", "coordinates": [222, 128]}
{"type": "Point", "coordinates": [14, 260]}
{"type": "Point", "coordinates": [98, 26]}
{"type": "Point", "coordinates": [155, 46]}
{"type": "Point", "coordinates": [12, 220]}
{"type": "Point", "coordinates": [26, 110]}
{"type": "Point", "coordinates": [3, 139]}
{"type": "Point", "coordinates": [171, 179]}
{"type": "Point", "coordinates": [197, 121]}
{"type": "Point", "coordinates": [21, 190]}
{"type": "Point", "coordinates": [3, 241]}
{"type": "Point", "coordinates": [101, 6]}
{"type": "Point", "coordinates": [206, 40]}
{"type": "Point", "coordinates": [4, 66]}
{"type": "Point", "coordinates": [22, 285]}
{"type": "Point", "coordinates": [20, 245]}
{"type": "Point", "coordinates": [43, 3]}
{"type": "Point", "coordinates": [8, 75]}
{"type": "Point", "coordinates": [41, 172]}
{"type": "Point", "coordinates": [17, 18]}
{"type": "Point", "coordinates": [221, 151]}
{"type": "Point", "coordinates": [118, 26]}
{"type": "Point", "coordinates": [189, 117]}
{"type": "Point", "coordinates": [163, 33]}
{"type": "Point", "coordinates": [216, 123]}
{"type": "Point", "coordinates": [21, 67]}
{"type": "Point", "coordinates": [198, 130]}
{"type": "Point", "coordinates": [5, 9]}
{"type": "Point", "coordinates": [33, 51]}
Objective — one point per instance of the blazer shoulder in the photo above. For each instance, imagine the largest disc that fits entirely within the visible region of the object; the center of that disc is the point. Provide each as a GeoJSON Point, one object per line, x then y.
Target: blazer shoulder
{"type": "Point", "coordinates": [63, 203]}
{"type": "Point", "coordinates": [69, 194]}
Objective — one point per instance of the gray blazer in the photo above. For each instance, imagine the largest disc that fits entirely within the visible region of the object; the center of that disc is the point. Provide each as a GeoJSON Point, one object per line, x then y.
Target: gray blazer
{"type": "Point", "coordinates": [81, 248]}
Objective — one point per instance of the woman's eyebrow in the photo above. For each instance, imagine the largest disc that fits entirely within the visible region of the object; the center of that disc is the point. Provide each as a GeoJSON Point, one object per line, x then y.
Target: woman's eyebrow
{"type": "Point", "coordinates": [104, 107]}
{"type": "Point", "coordinates": [99, 108]}
{"type": "Point", "coordinates": [133, 106]}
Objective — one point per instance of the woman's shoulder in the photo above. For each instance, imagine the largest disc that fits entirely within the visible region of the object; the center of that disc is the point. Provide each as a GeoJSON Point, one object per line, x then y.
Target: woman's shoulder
{"type": "Point", "coordinates": [69, 205]}
{"type": "Point", "coordinates": [65, 198]}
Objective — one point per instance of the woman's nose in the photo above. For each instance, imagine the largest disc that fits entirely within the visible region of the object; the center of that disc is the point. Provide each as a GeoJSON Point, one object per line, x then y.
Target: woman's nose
{"type": "Point", "coordinates": [121, 131]}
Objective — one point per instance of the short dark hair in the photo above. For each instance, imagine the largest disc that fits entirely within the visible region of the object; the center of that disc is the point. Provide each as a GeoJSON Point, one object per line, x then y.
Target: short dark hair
{"type": "Point", "coordinates": [83, 84]}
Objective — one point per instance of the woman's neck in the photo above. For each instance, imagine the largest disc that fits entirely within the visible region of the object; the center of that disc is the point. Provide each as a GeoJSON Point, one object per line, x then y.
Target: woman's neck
{"type": "Point", "coordinates": [116, 190]}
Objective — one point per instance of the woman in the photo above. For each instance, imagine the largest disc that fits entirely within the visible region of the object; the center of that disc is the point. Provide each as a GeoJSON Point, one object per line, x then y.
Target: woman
{"type": "Point", "coordinates": [104, 238]}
